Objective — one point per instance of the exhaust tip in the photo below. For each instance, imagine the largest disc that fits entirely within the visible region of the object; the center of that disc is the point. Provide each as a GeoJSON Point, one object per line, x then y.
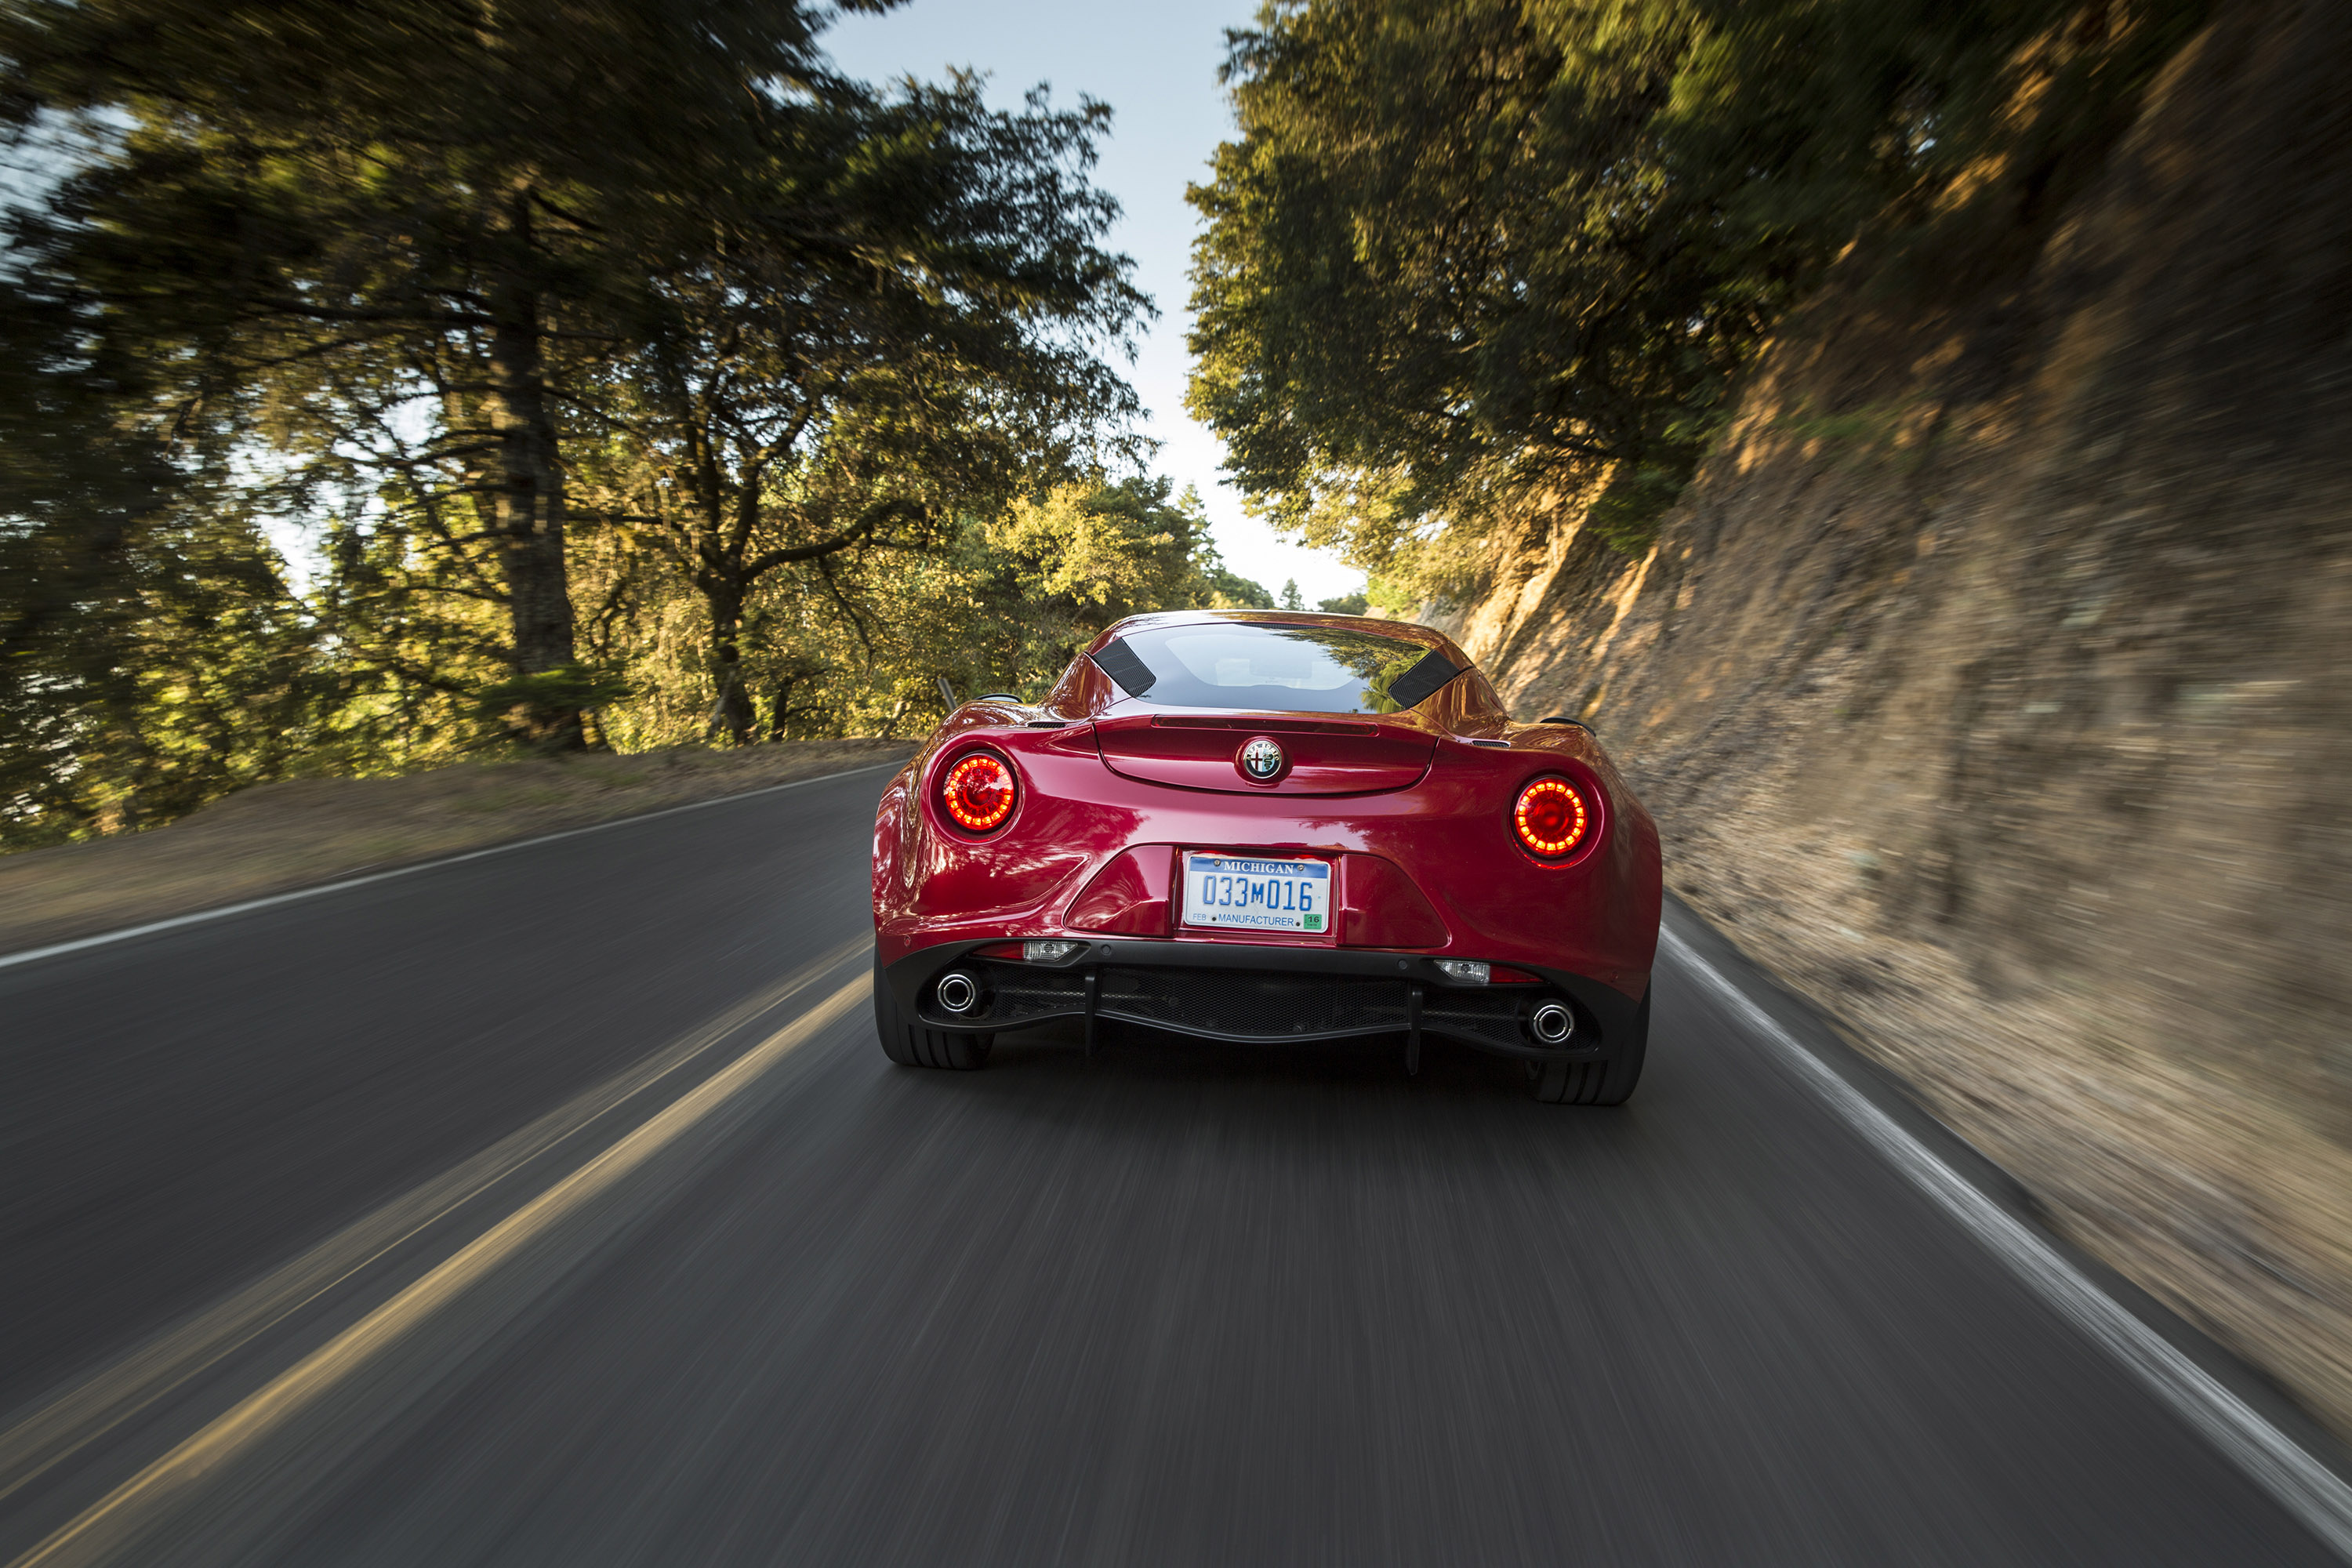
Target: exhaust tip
{"type": "Point", "coordinates": [957, 991]}
{"type": "Point", "coordinates": [1552, 1023]}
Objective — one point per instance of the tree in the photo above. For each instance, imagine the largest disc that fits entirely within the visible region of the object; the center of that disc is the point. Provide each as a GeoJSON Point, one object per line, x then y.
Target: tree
{"type": "Point", "coordinates": [1018, 594]}
{"type": "Point", "coordinates": [328, 218]}
{"type": "Point", "coordinates": [1231, 590]}
{"type": "Point", "coordinates": [152, 656]}
{"type": "Point", "coordinates": [1467, 252]}
{"type": "Point", "coordinates": [897, 324]}
{"type": "Point", "coordinates": [1052, 573]}
{"type": "Point", "coordinates": [1440, 262]}
{"type": "Point", "coordinates": [855, 642]}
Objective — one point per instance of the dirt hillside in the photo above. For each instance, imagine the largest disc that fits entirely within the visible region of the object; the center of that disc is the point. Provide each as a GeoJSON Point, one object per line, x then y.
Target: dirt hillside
{"type": "Point", "coordinates": [1994, 684]}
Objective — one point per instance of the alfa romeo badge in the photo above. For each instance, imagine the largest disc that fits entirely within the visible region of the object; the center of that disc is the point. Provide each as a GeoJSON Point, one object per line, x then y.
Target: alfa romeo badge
{"type": "Point", "coordinates": [1262, 759]}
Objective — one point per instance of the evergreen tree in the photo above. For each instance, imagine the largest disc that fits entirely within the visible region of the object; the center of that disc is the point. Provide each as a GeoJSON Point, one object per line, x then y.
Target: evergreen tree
{"type": "Point", "coordinates": [898, 322]}
{"type": "Point", "coordinates": [323, 218]}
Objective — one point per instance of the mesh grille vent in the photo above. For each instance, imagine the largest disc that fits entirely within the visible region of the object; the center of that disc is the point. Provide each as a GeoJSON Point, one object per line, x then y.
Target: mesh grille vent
{"type": "Point", "coordinates": [1245, 1007]}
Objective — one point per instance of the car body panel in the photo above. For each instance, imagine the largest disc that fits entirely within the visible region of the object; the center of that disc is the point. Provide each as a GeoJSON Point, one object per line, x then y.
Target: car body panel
{"type": "Point", "coordinates": [1197, 751]}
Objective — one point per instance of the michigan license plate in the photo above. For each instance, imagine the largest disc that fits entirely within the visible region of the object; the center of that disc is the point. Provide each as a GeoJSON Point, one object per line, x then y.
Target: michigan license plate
{"type": "Point", "coordinates": [1257, 895]}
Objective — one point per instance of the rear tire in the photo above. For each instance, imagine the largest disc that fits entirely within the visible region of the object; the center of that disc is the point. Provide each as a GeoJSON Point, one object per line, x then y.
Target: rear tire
{"type": "Point", "coordinates": [1609, 1082]}
{"type": "Point", "coordinates": [912, 1044]}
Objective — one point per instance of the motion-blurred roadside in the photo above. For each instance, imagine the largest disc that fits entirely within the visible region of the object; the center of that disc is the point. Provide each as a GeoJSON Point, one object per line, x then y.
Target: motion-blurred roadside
{"type": "Point", "coordinates": [1994, 683]}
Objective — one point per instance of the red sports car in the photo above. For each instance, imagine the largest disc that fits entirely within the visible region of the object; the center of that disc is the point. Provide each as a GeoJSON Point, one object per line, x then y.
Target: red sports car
{"type": "Point", "coordinates": [1268, 828]}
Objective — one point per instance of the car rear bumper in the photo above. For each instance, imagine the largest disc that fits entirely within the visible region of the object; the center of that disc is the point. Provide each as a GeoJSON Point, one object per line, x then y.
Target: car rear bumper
{"type": "Point", "coordinates": [1244, 994]}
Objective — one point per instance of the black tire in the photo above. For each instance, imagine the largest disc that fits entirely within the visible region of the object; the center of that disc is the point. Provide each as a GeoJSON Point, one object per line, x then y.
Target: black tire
{"type": "Point", "coordinates": [912, 1044]}
{"type": "Point", "coordinates": [1609, 1082]}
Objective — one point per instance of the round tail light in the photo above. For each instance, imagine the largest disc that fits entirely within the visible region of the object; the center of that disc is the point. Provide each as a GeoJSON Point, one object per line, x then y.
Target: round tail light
{"type": "Point", "coordinates": [979, 792]}
{"type": "Point", "coordinates": [1552, 817]}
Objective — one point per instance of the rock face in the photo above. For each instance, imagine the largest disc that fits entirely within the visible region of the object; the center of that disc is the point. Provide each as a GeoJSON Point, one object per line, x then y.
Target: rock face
{"type": "Point", "coordinates": [1994, 684]}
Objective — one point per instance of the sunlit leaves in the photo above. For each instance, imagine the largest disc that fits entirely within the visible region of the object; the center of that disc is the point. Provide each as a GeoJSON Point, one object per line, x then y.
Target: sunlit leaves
{"type": "Point", "coordinates": [1473, 258]}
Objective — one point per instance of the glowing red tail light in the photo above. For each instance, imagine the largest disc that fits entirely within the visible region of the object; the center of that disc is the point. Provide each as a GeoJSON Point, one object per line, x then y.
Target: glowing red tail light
{"type": "Point", "coordinates": [1552, 817]}
{"type": "Point", "coordinates": [979, 792]}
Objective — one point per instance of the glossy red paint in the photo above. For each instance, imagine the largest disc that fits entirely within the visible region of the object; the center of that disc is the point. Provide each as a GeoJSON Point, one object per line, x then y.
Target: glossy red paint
{"type": "Point", "coordinates": [1379, 907]}
{"type": "Point", "coordinates": [1129, 896]}
{"type": "Point", "coordinates": [1326, 756]}
{"type": "Point", "coordinates": [1112, 788]}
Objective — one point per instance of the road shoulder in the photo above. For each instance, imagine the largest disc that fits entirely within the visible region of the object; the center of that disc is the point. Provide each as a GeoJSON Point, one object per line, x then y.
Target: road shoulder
{"type": "Point", "coordinates": [283, 838]}
{"type": "Point", "coordinates": [2242, 1412]}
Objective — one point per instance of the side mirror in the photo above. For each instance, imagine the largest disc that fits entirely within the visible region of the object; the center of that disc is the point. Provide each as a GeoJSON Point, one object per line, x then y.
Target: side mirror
{"type": "Point", "coordinates": [1564, 719]}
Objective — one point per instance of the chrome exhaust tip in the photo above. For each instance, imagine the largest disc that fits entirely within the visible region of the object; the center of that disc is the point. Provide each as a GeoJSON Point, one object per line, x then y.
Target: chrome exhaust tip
{"type": "Point", "coordinates": [1552, 1023]}
{"type": "Point", "coordinates": [958, 991]}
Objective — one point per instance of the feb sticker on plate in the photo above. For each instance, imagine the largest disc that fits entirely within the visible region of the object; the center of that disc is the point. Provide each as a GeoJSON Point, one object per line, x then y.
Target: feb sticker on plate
{"type": "Point", "coordinates": [1232, 892]}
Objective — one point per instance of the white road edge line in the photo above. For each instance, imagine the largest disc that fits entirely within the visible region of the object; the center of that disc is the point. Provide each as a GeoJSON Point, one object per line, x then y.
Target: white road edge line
{"type": "Point", "coordinates": [117, 1521]}
{"type": "Point", "coordinates": [2302, 1485]}
{"type": "Point", "coordinates": [199, 916]}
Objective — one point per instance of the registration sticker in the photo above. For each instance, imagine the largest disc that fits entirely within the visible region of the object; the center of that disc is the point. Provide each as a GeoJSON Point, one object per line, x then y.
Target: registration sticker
{"type": "Point", "coordinates": [1230, 891]}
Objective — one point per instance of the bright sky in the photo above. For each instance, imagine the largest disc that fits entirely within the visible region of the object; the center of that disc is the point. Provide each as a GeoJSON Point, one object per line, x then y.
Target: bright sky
{"type": "Point", "coordinates": [1156, 66]}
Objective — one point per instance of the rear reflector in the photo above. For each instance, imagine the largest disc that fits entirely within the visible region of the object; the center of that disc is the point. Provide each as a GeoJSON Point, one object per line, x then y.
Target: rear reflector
{"type": "Point", "coordinates": [1477, 972]}
{"type": "Point", "coordinates": [1051, 950]}
{"type": "Point", "coordinates": [1550, 817]}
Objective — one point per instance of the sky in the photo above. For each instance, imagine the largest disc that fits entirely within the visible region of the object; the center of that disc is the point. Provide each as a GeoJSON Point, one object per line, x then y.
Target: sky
{"type": "Point", "coordinates": [1156, 66]}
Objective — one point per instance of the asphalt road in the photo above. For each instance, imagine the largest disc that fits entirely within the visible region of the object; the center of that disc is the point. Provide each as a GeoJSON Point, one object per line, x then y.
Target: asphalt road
{"type": "Point", "coordinates": [559, 1207]}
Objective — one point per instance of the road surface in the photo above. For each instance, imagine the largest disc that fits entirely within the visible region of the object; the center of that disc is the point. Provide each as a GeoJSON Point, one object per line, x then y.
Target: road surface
{"type": "Point", "coordinates": [558, 1206]}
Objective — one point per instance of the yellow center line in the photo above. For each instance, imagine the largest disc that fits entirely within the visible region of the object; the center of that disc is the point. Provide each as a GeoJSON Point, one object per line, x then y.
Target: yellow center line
{"type": "Point", "coordinates": [68, 1421]}
{"type": "Point", "coordinates": [116, 1520]}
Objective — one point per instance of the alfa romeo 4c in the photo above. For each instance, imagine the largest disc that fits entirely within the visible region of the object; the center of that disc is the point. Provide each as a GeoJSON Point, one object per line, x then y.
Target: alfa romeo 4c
{"type": "Point", "coordinates": [1268, 829]}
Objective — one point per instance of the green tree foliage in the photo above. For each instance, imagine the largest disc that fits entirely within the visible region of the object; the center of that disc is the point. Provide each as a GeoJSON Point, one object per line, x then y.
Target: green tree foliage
{"type": "Point", "coordinates": [1231, 590]}
{"type": "Point", "coordinates": [1045, 579]}
{"type": "Point", "coordinates": [186, 668]}
{"type": "Point", "coordinates": [622, 360]}
{"type": "Point", "coordinates": [857, 641]}
{"type": "Point", "coordinates": [1466, 253]}
{"type": "Point", "coordinates": [897, 327]}
{"type": "Point", "coordinates": [324, 217]}
{"type": "Point", "coordinates": [152, 656]}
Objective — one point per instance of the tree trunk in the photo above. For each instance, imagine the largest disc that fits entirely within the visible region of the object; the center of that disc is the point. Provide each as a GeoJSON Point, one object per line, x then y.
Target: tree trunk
{"type": "Point", "coordinates": [529, 510]}
{"type": "Point", "coordinates": [731, 714]}
{"type": "Point", "coordinates": [781, 708]}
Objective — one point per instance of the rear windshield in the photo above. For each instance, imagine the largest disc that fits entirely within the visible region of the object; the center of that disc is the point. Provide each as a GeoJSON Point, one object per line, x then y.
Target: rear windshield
{"type": "Point", "coordinates": [1285, 668]}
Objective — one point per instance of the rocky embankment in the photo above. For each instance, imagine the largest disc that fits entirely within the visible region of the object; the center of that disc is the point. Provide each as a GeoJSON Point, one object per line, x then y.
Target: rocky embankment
{"type": "Point", "coordinates": [1994, 684]}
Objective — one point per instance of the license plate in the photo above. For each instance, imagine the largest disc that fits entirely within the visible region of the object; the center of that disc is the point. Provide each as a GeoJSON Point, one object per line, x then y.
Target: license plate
{"type": "Point", "coordinates": [1257, 895]}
